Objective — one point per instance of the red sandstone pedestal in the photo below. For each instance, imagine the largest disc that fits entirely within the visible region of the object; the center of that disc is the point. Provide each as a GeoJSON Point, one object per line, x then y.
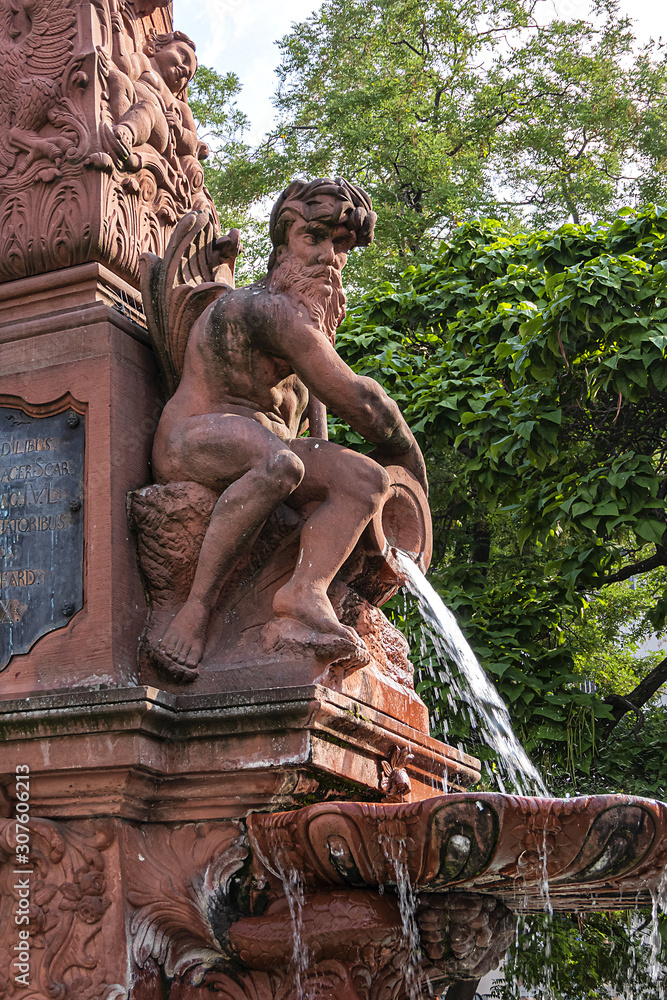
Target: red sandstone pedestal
{"type": "Point", "coordinates": [102, 747]}
{"type": "Point", "coordinates": [71, 336]}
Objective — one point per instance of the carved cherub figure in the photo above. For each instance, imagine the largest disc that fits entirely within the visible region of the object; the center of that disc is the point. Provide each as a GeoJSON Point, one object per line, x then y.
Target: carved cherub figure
{"type": "Point", "coordinates": [148, 101]}
{"type": "Point", "coordinates": [232, 425]}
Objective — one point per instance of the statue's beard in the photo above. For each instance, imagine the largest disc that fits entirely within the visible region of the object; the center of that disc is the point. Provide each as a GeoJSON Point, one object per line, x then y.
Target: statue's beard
{"type": "Point", "coordinates": [318, 288]}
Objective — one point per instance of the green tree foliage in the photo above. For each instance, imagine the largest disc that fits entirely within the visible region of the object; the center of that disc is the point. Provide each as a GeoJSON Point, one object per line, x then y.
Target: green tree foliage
{"type": "Point", "coordinates": [444, 109]}
{"type": "Point", "coordinates": [591, 956]}
{"type": "Point", "coordinates": [221, 125]}
{"type": "Point", "coordinates": [534, 370]}
{"type": "Point", "coordinates": [211, 98]}
{"type": "Point", "coordinates": [610, 638]}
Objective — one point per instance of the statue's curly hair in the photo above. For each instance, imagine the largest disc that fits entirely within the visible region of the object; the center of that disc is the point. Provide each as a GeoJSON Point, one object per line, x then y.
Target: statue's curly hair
{"type": "Point", "coordinates": [302, 198]}
{"type": "Point", "coordinates": [157, 41]}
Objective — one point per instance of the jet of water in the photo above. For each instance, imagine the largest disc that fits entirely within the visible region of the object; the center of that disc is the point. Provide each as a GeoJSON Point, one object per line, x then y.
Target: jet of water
{"type": "Point", "coordinates": [474, 687]}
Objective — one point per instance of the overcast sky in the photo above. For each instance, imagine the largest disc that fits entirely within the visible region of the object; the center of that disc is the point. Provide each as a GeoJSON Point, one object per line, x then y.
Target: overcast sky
{"type": "Point", "coordinates": [239, 35]}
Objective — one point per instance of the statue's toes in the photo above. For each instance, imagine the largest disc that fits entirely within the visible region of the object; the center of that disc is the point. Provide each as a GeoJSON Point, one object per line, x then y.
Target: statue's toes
{"type": "Point", "coordinates": [165, 664]}
{"type": "Point", "coordinates": [192, 659]}
{"type": "Point", "coordinates": [357, 657]}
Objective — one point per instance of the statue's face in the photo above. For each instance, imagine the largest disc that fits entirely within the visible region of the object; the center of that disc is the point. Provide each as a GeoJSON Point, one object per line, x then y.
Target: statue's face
{"type": "Point", "coordinates": [177, 64]}
{"type": "Point", "coordinates": [319, 243]}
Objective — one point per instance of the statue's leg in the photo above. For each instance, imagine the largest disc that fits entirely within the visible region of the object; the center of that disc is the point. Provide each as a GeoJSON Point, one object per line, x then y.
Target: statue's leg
{"type": "Point", "coordinates": [350, 487]}
{"type": "Point", "coordinates": [263, 470]}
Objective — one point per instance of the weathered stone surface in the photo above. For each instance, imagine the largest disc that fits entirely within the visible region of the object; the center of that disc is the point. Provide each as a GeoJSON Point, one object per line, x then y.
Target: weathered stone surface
{"type": "Point", "coordinates": [595, 851]}
{"type": "Point", "coordinates": [82, 82]}
{"type": "Point", "coordinates": [120, 912]}
{"type": "Point", "coordinates": [171, 521]}
{"type": "Point", "coordinates": [144, 754]}
{"type": "Point", "coordinates": [71, 340]}
{"type": "Point", "coordinates": [265, 554]}
{"type": "Point", "coordinates": [314, 903]}
{"type": "Point", "coordinates": [72, 887]}
{"type": "Point", "coordinates": [186, 882]}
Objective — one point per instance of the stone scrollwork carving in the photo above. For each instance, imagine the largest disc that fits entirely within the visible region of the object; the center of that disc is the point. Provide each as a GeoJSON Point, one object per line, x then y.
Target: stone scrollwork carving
{"type": "Point", "coordinates": [73, 917]}
{"type": "Point", "coordinates": [464, 933]}
{"type": "Point", "coordinates": [353, 944]}
{"type": "Point", "coordinates": [315, 902]}
{"type": "Point", "coordinates": [482, 842]}
{"type": "Point", "coordinates": [178, 879]}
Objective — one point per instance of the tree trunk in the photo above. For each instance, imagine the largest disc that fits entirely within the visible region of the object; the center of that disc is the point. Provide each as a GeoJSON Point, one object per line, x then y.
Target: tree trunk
{"type": "Point", "coordinates": [639, 696]}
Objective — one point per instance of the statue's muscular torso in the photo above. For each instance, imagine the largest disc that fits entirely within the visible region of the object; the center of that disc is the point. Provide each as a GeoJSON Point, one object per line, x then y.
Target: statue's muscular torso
{"type": "Point", "coordinates": [228, 370]}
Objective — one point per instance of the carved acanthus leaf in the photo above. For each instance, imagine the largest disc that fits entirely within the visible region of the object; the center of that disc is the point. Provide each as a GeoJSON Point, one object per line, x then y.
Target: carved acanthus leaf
{"type": "Point", "coordinates": [176, 875]}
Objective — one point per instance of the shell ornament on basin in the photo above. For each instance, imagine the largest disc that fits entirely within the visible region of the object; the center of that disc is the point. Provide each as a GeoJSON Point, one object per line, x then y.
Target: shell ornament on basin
{"type": "Point", "coordinates": [587, 853]}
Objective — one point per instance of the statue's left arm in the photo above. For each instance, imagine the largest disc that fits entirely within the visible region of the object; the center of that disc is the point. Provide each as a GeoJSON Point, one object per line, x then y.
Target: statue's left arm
{"type": "Point", "coordinates": [359, 400]}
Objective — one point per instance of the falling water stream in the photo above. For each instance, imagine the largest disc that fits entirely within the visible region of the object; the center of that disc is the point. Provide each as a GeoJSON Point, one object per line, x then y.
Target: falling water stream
{"type": "Point", "coordinates": [489, 713]}
{"type": "Point", "coordinates": [395, 850]}
{"type": "Point", "coordinates": [295, 896]}
{"type": "Point", "coordinates": [659, 905]}
{"type": "Point", "coordinates": [488, 710]}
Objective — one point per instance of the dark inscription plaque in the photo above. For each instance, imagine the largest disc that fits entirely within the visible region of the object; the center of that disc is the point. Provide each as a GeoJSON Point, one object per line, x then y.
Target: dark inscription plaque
{"type": "Point", "coordinates": [41, 525]}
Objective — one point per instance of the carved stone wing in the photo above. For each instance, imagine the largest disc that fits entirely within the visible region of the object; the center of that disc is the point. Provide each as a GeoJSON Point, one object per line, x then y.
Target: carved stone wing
{"type": "Point", "coordinates": [9, 80]}
{"type": "Point", "coordinates": [49, 45]}
{"type": "Point", "coordinates": [196, 269]}
{"type": "Point", "coordinates": [36, 43]}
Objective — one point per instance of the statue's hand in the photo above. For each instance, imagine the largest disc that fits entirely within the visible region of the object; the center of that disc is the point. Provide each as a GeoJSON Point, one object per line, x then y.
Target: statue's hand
{"type": "Point", "coordinates": [119, 141]}
{"type": "Point", "coordinates": [412, 460]}
{"type": "Point", "coordinates": [116, 16]}
{"type": "Point", "coordinates": [173, 120]}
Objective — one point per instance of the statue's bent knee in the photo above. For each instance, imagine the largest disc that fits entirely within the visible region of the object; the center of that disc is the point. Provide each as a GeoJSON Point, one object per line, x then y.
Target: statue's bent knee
{"type": "Point", "coordinates": [286, 469]}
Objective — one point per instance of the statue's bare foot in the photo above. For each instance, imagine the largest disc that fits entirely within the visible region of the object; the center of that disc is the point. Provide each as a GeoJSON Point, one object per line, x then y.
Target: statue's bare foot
{"type": "Point", "coordinates": [173, 670]}
{"type": "Point", "coordinates": [292, 636]}
{"type": "Point", "coordinates": [313, 609]}
{"type": "Point", "coordinates": [180, 649]}
{"type": "Point", "coordinates": [306, 618]}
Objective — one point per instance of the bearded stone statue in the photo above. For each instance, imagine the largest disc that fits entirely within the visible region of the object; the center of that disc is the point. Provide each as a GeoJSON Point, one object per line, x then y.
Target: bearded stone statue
{"type": "Point", "coordinates": [251, 370]}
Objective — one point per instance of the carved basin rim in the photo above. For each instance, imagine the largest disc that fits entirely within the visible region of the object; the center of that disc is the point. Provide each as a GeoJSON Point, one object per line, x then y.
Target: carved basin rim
{"type": "Point", "coordinates": [587, 852]}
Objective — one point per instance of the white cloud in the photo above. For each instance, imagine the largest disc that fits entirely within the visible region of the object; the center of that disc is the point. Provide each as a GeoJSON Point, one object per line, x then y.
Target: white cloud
{"type": "Point", "coordinates": [239, 35]}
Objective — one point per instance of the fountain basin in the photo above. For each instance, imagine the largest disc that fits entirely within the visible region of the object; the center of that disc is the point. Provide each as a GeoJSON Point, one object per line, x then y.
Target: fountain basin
{"type": "Point", "coordinates": [586, 853]}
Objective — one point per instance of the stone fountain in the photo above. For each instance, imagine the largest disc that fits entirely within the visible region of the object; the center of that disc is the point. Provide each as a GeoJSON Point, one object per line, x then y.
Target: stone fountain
{"type": "Point", "coordinates": [216, 776]}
